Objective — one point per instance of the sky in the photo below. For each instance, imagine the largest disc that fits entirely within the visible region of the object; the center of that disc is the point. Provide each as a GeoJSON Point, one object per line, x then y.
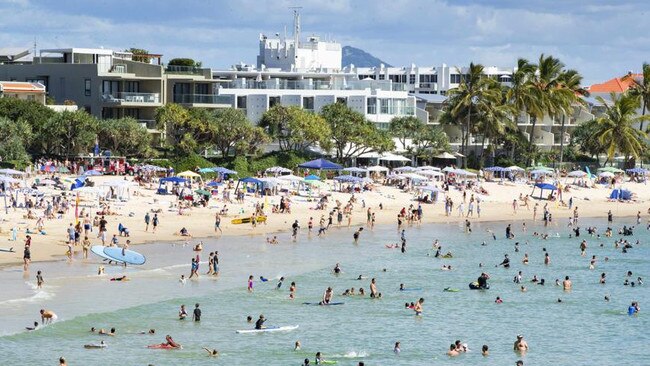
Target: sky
{"type": "Point", "coordinates": [601, 39]}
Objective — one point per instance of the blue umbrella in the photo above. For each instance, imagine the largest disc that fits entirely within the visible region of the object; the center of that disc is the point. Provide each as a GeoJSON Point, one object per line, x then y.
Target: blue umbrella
{"type": "Point", "coordinates": [312, 177]}
{"type": "Point", "coordinates": [206, 170]}
{"type": "Point", "coordinates": [250, 180]}
{"type": "Point", "coordinates": [636, 171]}
{"type": "Point", "coordinates": [222, 170]}
{"type": "Point", "coordinates": [322, 164]}
{"type": "Point", "coordinates": [214, 184]}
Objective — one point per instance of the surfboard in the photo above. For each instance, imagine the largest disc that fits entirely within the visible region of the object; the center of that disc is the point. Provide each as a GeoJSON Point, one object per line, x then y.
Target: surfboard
{"type": "Point", "coordinates": [449, 289]}
{"type": "Point", "coordinates": [129, 256]}
{"type": "Point", "coordinates": [319, 304]}
{"type": "Point", "coordinates": [99, 251]}
{"type": "Point", "coordinates": [95, 345]}
{"type": "Point", "coordinates": [247, 220]}
{"type": "Point", "coordinates": [286, 328]}
{"type": "Point", "coordinates": [10, 250]}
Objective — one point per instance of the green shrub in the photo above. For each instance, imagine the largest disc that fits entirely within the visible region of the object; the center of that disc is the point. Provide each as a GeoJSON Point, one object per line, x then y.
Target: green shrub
{"type": "Point", "coordinates": [190, 162]}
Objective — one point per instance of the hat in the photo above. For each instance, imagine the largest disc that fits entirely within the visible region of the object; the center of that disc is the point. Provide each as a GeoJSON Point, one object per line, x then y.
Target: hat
{"type": "Point", "coordinates": [520, 336]}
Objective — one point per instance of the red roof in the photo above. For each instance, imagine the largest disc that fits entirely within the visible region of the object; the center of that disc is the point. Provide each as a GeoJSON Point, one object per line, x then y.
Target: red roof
{"type": "Point", "coordinates": [616, 85]}
{"type": "Point", "coordinates": [21, 87]}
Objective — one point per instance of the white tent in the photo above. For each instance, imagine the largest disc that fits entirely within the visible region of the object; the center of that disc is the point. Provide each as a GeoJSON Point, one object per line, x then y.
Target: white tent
{"type": "Point", "coordinates": [577, 174]}
{"type": "Point", "coordinates": [378, 168]}
{"type": "Point", "coordinates": [414, 176]}
{"type": "Point", "coordinates": [428, 167]}
{"type": "Point", "coordinates": [290, 178]}
{"type": "Point", "coordinates": [431, 173]}
{"type": "Point", "coordinates": [606, 174]}
{"type": "Point", "coordinates": [405, 169]}
{"type": "Point", "coordinates": [463, 173]}
{"type": "Point", "coordinates": [277, 170]}
{"type": "Point", "coordinates": [393, 157]}
{"type": "Point", "coordinates": [12, 172]}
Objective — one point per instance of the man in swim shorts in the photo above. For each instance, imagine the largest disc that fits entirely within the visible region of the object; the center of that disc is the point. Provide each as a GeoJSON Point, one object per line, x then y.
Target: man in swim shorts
{"type": "Point", "coordinates": [47, 316]}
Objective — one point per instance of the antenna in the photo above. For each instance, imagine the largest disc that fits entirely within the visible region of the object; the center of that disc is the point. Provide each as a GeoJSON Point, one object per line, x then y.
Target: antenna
{"type": "Point", "coordinates": [34, 50]}
{"type": "Point", "coordinates": [296, 25]}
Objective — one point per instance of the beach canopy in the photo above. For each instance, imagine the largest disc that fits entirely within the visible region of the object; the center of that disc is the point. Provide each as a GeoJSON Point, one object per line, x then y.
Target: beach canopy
{"type": "Point", "coordinates": [277, 170]}
{"type": "Point", "coordinates": [213, 184]}
{"type": "Point", "coordinates": [610, 169]}
{"type": "Point", "coordinates": [7, 179]}
{"type": "Point", "coordinates": [495, 169]}
{"type": "Point", "coordinates": [354, 169]}
{"type": "Point", "coordinates": [222, 170]}
{"type": "Point", "coordinates": [431, 173]}
{"type": "Point", "coordinates": [606, 174]}
{"type": "Point", "coordinates": [431, 189]}
{"type": "Point", "coordinates": [378, 168]}
{"type": "Point", "coordinates": [405, 168]}
{"type": "Point", "coordinates": [393, 157]}
{"type": "Point", "coordinates": [312, 177]}
{"type": "Point", "coordinates": [188, 174]}
{"type": "Point", "coordinates": [414, 176]}
{"type": "Point", "coordinates": [173, 180]}
{"type": "Point", "coordinates": [445, 155]}
{"type": "Point", "coordinates": [540, 172]}
{"type": "Point", "coordinates": [463, 173]}
{"type": "Point", "coordinates": [545, 186]}
{"type": "Point", "coordinates": [514, 168]}
{"type": "Point", "coordinates": [577, 174]}
{"type": "Point", "coordinates": [348, 179]}
{"type": "Point", "coordinates": [11, 172]}
{"type": "Point", "coordinates": [92, 173]}
{"type": "Point", "coordinates": [153, 168]}
{"type": "Point", "coordinates": [250, 180]}
{"type": "Point", "coordinates": [636, 171]}
{"type": "Point", "coordinates": [290, 178]}
{"type": "Point", "coordinates": [202, 192]}
{"type": "Point", "coordinates": [206, 170]}
{"type": "Point", "coordinates": [447, 169]}
{"type": "Point", "coordinates": [321, 164]}
{"type": "Point", "coordinates": [428, 167]}
{"type": "Point", "coordinates": [620, 194]}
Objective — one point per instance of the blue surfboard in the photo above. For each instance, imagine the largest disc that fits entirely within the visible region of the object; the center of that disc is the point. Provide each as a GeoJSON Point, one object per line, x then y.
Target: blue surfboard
{"type": "Point", "coordinates": [129, 256]}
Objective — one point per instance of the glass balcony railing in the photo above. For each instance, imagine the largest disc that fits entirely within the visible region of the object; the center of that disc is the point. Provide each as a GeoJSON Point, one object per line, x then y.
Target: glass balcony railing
{"type": "Point", "coordinates": [397, 111]}
{"type": "Point", "coordinates": [128, 97]}
{"type": "Point", "coordinates": [202, 99]}
{"type": "Point", "coordinates": [316, 85]}
{"type": "Point", "coordinates": [184, 70]}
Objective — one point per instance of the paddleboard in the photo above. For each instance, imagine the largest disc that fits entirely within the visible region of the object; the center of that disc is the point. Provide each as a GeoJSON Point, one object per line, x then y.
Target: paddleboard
{"type": "Point", "coordinates": [10, 250]}
{"type": "Point", "coordinates": [162, 346]}
{"type": "Point", "coordinates": [99, 251]}
{"type": "Point", "coordinates": [329, 362]}
{"type": "Point", "coordinates": [95, 345]}
{"type": "Point", "coordinates": [268, 329]}
{"type": "Point", "coordinates": [319, 304]}
{"type": "Point", "coordinates": [247, 220]}
{"type": "Point", "coordinates": [449, 289]}
{"type": "Point", "coordinates": [129, 257]}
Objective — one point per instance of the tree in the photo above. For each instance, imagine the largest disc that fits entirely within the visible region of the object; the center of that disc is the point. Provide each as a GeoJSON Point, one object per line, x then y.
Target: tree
{"type": "Point", "coordinates": [140, 55]}
{"type": "Point", "coordinates": [71, 133]}
{"type": "Point", "coordinates": [124, 136]}
{"type": "Point", "coordinates": [182, 62]}
{"type": "Point", "coordinates": [352, 134]}
{"type": "Point", "coordinates": [34, 114]}
{"type": "Point", "coordinates": [474, 87]}
{"type": "Point", "coordinates": [14, 138]}
{"type": "Point", "coordinates": [404, 128]}
{"type": "Point", "coordinates": [295, 128]}
{"type": "Point", "coordinates": [430, 141]}
{"type": "Point", "coordinates": [616, 126]}
{"type": "Point", "coordinates": [493, 115]}
{"type": "Point", "coordinates": [187, 130]}
{"type": "Point", "coordinates": [570, 80]}
{"type": "Point", "coordinates": [234, 133]}
{"type": "Point", "coordinates": [585, 139]}
{"type": "Point", "coordinates": [641, 89]}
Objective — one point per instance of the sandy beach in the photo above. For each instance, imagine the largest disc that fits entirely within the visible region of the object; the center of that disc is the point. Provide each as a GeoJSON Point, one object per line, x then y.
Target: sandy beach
{"type": "Point", "coordinates": [199, 221]}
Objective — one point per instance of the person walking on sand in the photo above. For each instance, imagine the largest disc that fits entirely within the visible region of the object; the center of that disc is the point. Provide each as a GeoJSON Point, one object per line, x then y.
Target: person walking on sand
{"type": "Point", "coordinates": [217, 223]}
{"type": "Point", "coordinates": [147, 219]}
{"type": "Point", "coordinates": [154, 222]}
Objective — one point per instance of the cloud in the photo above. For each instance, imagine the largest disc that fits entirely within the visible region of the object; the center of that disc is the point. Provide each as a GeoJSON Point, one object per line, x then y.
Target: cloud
{"type": "Point", "coordinates": [600, 39]}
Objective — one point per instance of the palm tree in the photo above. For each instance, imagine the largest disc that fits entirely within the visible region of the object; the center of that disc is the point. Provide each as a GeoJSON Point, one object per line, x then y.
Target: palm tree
{"type": "Point", "coordinates": [545, 88]}
{"type": "Point", "coordinates": [616, 126]}
{"type": "Point", "coordinates": [520, 92]}
{"type": "Point", "coordinates": [641, 89]}
{"type": "Point", "coordinates": [494, 115]}
{"type": "Point", "coordinates": [570, 80]}
{"type": "Point", "coordinates": [473, 87]}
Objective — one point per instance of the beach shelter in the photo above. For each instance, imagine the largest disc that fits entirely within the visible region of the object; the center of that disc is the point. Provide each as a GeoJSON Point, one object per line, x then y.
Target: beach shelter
{"type": "Point", "coordinates": [278, 170]}
{"type": "Point", "coordinates": [12, 172]}
{"type": "Point", "coordinates": [514, 168]}
{"type": "Point", "coordinates": [378, 168]}
{"type": "Point", "coordinates": [393, 157]}
{"type": "Point", "coordinates": [577, 174]}
{"type": "Point", "coordinates": [542, 187]}
{"type": "Point", "coordinates": [606, 174]}
{"type": "Point", "coordinates": [222, 170]}
{"type": "Point", "coordinates": [290, 178]}
{"type": "Point", "coordinates": [188, 174]}
{"type": "Point", "coordinates": [206, 170]}
{"type": "Point", "coordinates": [312, 177]}
{"type": "Point", "coordinates": [174, 180]}
{"type": "Point", "coordinates": [495, 169]}
{"type": "Point", "coordinates": [640, 171]}
{"type": "Point", "coordinates": [610, 169]}
{"type": "Point", "coordinates": [428, 167]}
{"type": "Point", "coordinates": [405, 168]}
{"type": "Point", "coordinates": [320, 164]}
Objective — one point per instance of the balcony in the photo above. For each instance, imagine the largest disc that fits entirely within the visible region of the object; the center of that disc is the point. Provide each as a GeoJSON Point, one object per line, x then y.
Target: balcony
{"type": "Point", "coordinates": [282, 84]}
{"type": "Point", "coordinates": [184, 70]}
{"type": "Point", "coordinates": [397, 111]}
{"type": "Point", "coordinates": [210, 99]}
{"type": "Point", "coordinates": [132, 99]}
{"type": "Point", "coordinates": [149, 124]}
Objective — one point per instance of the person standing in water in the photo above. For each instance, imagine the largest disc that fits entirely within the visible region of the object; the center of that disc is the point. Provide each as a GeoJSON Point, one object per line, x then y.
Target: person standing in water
{"type": "Point", "coordinates": [373, 288]}
{"type": "Point", "coordinates": [39, 280]}
{"type": "Point", "coordinates": [356, 235]}
{"type": "Point", "coordinates": [418, 307]}
{"type": "Point", "coordinates": [520, 344]}
{"type": "Point", "coordinates": [250, 283]}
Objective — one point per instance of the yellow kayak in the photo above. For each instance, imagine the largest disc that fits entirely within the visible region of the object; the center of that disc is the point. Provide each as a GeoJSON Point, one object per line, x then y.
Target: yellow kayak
{"type": "Point", "coordinates": [247, 220]}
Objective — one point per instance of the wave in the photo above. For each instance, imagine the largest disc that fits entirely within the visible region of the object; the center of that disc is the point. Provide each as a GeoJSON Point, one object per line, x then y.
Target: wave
{"type": "Point", "coordinates": [40, 295]}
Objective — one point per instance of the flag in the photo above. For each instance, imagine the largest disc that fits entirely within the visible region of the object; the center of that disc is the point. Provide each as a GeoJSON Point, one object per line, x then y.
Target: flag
{"type": "Point", "coordinates": [76, 209]}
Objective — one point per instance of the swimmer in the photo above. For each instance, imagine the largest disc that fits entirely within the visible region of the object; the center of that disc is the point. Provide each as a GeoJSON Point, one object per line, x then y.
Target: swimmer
{"type": "Point", "coordinates": [452, 351]}
{"type": "Point", "coordinates": [35, 327]}
{"type": "Point", "coordinates": [523, 289]}
{"type": "Point", "coordinates": [520, 344]}
{"type": "Point", "coordinates": [498, 300]}
{"type": "Point", "coordinates": [397, 350]}
{"type": "Point", "coordinates": [211, 352]}
{"type": "Point", "coordinates": [120, 279]}
{"type": "Point", "coordinates": [182, 313]}
{"type": "Point", "coordinates": [297, 346]}
{"type": "Point", "coordinates": [279, 285]}
{"type": "Point", "coordinates": [485, 350]}
{"type": "Point", "coordinates": [100, 345]}
{"type": "Point", "coordinates": [337, 269]}
{"type": "Point", "coordinates": [566, 284]}
{"type": "Point", "coordinates": [150, 331]}
{"type": "Point", "coordinates": [418, 307]}
{"type": "Point", "coordinates": [182, 280]}
{"type": "Point", "coordinates": [47, 316]}
{"type": "Point", "coordinates": [273, 240]}
{"type": "Point", "coordinates": [109, 333]}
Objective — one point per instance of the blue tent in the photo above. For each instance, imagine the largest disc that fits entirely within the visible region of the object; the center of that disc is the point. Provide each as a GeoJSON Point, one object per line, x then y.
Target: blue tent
{"type": "Point", "coordinates": [222, 170]}
{"type": "Point", "coordinates": [620, 194]}
{"type": "Point", "coordinates": [321, 164]}
{"type": "Point", "coordinates": [312, 177]}
{"type": "Point", "coordinates": [173, 180]}
{"type": "Point", "coordinates": [636, 171]}
{"type": "Point", "coordinates": [250, 180]}
{"type": "Point", "coordinates": [542, 187]}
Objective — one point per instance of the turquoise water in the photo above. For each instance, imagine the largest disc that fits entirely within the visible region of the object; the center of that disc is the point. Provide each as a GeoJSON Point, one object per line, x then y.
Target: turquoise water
{"type": "Point", "coordinates": [582, 330]}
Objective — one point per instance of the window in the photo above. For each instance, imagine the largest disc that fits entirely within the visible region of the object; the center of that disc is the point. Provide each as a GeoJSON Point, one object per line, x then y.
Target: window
{"type": "Point", "coordinates": [411, 79]}
{"type": "Point", "coordinates": [397, 78]}
{"type": "Point", "coordinates": [273, 101]}
{"type": "Point", "coordinates": [110, 88]}
{"type": "Point", "coordinates": [308, 103]}
{"type": "Point", "coordinates": [202, 89]}
{"type": "Point", "coordinates": [241, 102]}
{"type": "Point", "coordinates": [382, 77]}
{"type": "Point", "coordinates": [87, 87]}
{"type": "Point", "coordinates": [88, 109]}
{"type": "Point", "coordinates": [132, 86]}
{"type": "Point", "coordinates": [372, 106]}
{"type": "Point", "coordinates": [132, 112]}
{"type": "Point", "coordinates": [454, 78]}
{"type": "Point", "coordinates": [39, 79]}
{"type": "Point", "coordinates": [342, 100]}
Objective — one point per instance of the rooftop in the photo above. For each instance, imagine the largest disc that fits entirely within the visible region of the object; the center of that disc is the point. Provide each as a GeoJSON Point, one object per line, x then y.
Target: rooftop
{"type": "Point", "coordinates": [21, 87]}
{"type": "Point", "coordinates": [615, 85]}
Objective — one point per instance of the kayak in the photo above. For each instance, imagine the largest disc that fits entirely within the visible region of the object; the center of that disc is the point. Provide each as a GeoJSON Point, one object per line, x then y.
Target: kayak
{"type": "Point", "coordinates": [319, 304]}
{"type": "Point", "coordinates": [286, 328]}
{"type": "Point", "coordinates": [162, 346]}
{"type": "Point", "coordinates": [247, 220]}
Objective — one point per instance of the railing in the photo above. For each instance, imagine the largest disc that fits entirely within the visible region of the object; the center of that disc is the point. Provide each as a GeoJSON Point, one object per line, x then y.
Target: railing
{"type": "Point", "coordinates": [203, 99]}
{"type": "Point", "coordinates": [316, 85]}
{"type": "Point", "coordinates": [398, 111]}
{"type": "Point", "coordinates": [149, 124]}
{"type": "Point", "coordinates": [186, 70]}
{"type": "Point", "coordinates": [132, 97]}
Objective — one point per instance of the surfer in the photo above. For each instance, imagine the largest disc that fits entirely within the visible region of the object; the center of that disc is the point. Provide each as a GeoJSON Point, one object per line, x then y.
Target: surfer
{"type": "Point", "coordinates": [327, 296]}
{"type": "Point", "coordinates": [211, 352]}
{"type": "Point", "coordinates": [259, 324]}
{"type": "Point", "coordinates": [47, 316]}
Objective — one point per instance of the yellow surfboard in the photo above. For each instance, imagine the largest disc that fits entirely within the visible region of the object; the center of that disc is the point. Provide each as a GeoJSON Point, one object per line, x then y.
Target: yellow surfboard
{"type": "Point", "coordinates": [247, 220]}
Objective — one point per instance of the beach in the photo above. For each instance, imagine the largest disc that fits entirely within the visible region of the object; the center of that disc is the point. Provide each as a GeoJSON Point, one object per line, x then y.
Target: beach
{"type": "Point", "coordinates": [362, 329]}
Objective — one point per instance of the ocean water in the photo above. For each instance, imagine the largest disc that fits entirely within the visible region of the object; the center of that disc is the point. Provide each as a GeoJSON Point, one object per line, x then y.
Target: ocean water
{"type": "Point", "coordinates": [583, 329]}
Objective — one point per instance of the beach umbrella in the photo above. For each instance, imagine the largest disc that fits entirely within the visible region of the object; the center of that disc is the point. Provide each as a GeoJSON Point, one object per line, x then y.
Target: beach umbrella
{"type": "Point", "coordinates": [222, 170]}
{"type": "Point", "coordinates": [606, 174]}
{"type": "Point", "coordinates": [312, 177]}
{"type": "Point", "coordinates": [206, 170]}
{"type": "Point", "coordinates": [445, 155]}
{"type": "Point", "coordinates": [514, 168]}
{"type": "Point", "coordinates": [447, 169]}
{"type": "Point", "coordinates": [405, 169]}
{"type": "Point", "coordinates": [290, 177]}
{"type": "Point", "coordinates": [610, 169]}
{"type": "Point", "coordinates": [428, 167]}
{"type": "Point", "coordinates": [173, 180]}
{"type": "Point", "coordinates": [11, 172]}
{"type": "Point", "coordinates": [277, 170]}
{"type": "Point", "coordinates": [214, 184]}
{"type": "Point", "coordinates": [577, 174]}
{"type": "Point", "coordinates": [188, 174]}
{"type": "Point", "coordinates": [494, 169]}
{"type": "Point", "coordinates": [542, 187]}
{"type": "Point", "coordinates": [92, 173]}
{"type": "Point", "coordinates": [393, 157]}
{"type": "Point", "coordinates": [202, 192]}
{"type": "Point", "coordinates": [637, 171]}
